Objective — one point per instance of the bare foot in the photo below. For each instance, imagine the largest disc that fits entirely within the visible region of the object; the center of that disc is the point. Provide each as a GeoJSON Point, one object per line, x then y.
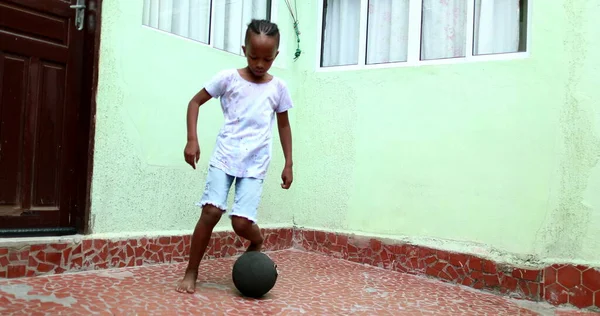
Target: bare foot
{"type": "Point", "coordinates": [188, 284]}
{"type": "Point", "coordinates": [254, 247]}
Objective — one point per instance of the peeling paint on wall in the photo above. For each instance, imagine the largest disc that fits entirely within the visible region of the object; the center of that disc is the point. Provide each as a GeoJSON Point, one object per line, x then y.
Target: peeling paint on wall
{"type": "Point", "coordinates": [567, 227]}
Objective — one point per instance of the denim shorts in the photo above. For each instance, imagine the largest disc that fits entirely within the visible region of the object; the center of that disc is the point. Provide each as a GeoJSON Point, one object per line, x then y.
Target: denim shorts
{"type": "Point", "coordinates": [247, 197]}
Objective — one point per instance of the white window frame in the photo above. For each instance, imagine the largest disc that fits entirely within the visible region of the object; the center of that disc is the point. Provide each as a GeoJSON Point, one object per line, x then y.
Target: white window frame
{"type": "Point", "coordinates": [274, 16]}
{"type": "Point", "coordinates": [414, 41]}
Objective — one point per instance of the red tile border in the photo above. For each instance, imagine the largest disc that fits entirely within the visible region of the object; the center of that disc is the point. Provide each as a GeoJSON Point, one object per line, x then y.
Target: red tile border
{"type": "Point", "coordinates": [578, 286]}
{"type": "Point", "coordinates": [575, 285]}
{"type": "Point", "coordinates": [560, 284]}
{"type": "Point", "coordinates": [449, 267]}
{"type": "Point", "coordinates": [94, 254]}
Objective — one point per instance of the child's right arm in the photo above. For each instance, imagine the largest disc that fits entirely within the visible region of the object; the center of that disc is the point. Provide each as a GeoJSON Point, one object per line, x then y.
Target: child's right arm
{"type": "Point", "coordinates": [192, 148]}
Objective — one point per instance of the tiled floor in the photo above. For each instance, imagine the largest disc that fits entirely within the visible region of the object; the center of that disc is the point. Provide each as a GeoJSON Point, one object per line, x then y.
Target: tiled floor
{"type": "Point", "coordinates": [309, 284]}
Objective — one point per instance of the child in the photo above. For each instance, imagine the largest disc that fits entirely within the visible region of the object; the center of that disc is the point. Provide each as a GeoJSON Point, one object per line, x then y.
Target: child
{"type": "Point", "coordinates": [250, 100]}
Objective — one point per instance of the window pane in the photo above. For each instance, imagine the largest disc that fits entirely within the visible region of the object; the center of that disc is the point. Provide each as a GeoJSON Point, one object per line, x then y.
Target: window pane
{"type": "Point", "coordinates": [187, 18]}
{"type": "Point", "coordinates": [387, 31]}
{"type": "Point", "coordinates": [498, 27]}
{"type": "Point", "coordinates": [231, 20]}
{"type": "Point", "coordinates": [444, 29]}
{"type": "Point", "coordinates": [341, 31]}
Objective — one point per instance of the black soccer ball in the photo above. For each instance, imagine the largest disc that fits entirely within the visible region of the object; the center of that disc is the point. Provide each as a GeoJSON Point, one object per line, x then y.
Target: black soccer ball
{"type": "Point", "coordinates": [254, 274]}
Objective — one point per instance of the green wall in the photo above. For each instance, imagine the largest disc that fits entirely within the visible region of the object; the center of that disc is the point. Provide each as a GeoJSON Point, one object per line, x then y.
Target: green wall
{"type": "Point", "coordinates": [141, 182]}
{"type": "Point", "coordinates": [497, 157]}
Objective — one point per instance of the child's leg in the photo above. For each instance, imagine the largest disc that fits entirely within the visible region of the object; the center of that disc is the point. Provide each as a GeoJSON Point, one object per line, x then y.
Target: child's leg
{"type": "Point", "coordinates": [214, 201]}
{"type": "Point", "coordinates": [209, 218]}
{"type": "Point", "coordinates": [248, 230]}
{"type": "Point", "coordinates": [248, 192]}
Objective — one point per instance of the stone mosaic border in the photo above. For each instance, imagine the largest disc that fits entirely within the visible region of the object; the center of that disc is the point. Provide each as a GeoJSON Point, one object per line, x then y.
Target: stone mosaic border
{"type": "Point", "coordinates": [558, 285]}
{"type": "Point", "coordinates": [93, 254]}
{"type": "Point", "coordinates": [578, 286]}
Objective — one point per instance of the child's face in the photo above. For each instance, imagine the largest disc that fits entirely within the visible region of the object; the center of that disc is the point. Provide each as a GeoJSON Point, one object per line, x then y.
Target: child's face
{"type": "Point", "coordinates": [260, 53]}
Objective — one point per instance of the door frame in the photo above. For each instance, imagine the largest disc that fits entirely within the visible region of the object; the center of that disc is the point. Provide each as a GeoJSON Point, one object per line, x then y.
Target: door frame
{"type": "Point", "coordinates": [80, 204]}
{"type": "Point", "coordinates": [91, 51]}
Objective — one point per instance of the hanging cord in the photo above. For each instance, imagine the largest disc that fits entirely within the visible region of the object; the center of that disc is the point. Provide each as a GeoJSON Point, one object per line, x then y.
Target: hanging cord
{"type": "Point", "coordinates": [294, 14]}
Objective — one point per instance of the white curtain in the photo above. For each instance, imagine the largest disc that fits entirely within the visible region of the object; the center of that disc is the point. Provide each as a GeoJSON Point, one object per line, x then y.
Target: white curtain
{"type": "Point", "coordinates": [496, 27]}
{"type": "Point", "coordinates": [387, 31]}
{"type": "Point", "coordinates": [191, 19]}
{"type": "Point", "coordinates": [443, 33]}
{"type": "Point", "coordinates": [444, 29]}
{"type": "Point", "coordinates": [342, 29]}
{"type": "Point", "coordinates": [231, 20]}
{"type": "Point", "coordinates": [187, 18]}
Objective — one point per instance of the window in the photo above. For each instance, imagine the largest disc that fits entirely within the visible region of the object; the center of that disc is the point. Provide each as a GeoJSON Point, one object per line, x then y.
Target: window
{"type": "Point", "coordinates": [218, 23]}
{"type": "Point", "coordinates": [371, 32]}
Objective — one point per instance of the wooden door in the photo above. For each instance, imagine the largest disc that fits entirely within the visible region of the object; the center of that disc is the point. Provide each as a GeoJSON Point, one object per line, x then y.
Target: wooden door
{"type": "Point", "coordinates": [41, 54]}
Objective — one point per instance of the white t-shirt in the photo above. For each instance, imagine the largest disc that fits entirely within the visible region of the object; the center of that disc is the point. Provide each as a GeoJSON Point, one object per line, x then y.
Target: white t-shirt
{"type": "Point", "coordinates": [244, 144]}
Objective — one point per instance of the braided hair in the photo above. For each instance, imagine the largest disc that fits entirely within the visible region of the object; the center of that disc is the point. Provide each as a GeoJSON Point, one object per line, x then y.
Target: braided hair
{"type": "Point", "coordinates": [264, 27]}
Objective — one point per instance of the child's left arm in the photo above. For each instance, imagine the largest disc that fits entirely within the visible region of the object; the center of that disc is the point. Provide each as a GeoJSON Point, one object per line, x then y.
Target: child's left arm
{"type": "Point", "coordinates": [285, 135]}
